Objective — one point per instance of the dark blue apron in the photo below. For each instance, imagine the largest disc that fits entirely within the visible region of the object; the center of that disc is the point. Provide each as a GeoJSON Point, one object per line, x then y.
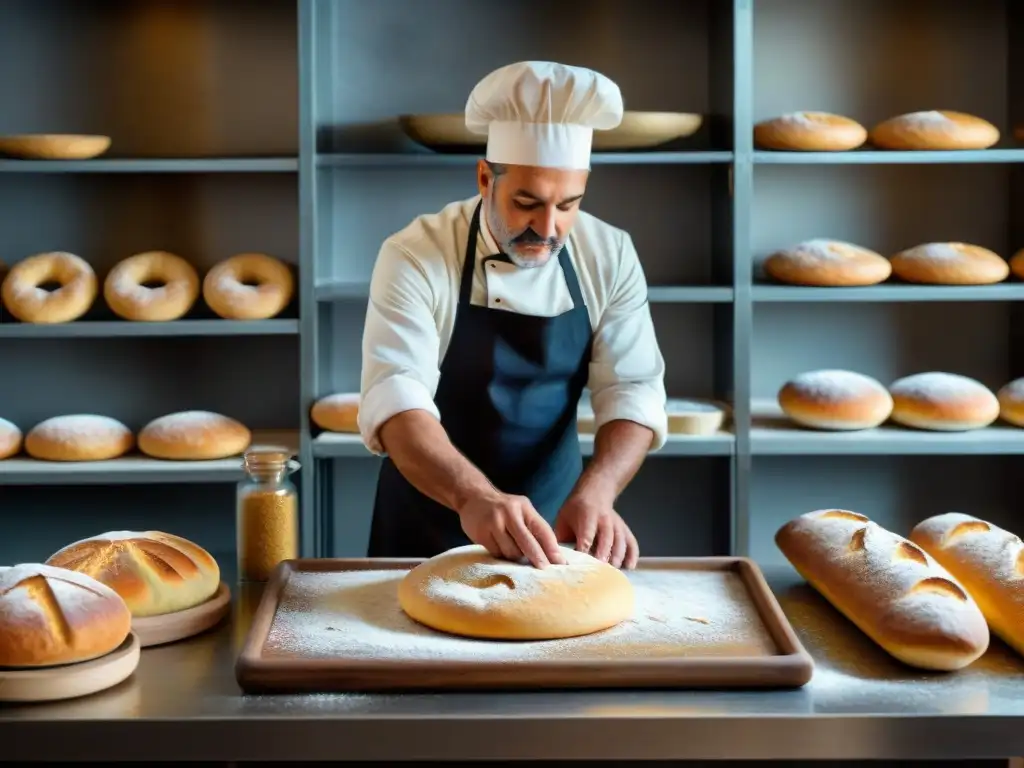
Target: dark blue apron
{"type": "Point", "coordinates": [508, 392]}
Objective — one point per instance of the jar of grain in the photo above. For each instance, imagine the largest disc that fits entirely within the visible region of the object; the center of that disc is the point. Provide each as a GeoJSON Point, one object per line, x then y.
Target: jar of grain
{"type": "Point", "coordinates": [267, 524]}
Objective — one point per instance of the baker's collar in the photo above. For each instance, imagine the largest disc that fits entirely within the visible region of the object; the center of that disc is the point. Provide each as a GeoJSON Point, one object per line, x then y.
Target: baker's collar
{"type": "Point", "coordinates": [490, 244]}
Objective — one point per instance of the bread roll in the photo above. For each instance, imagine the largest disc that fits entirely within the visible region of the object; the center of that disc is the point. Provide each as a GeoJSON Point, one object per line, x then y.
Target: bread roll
{"type": "Point", "coordinates": [10, 439]}
{"type": "Point", "coordinates": [810, 131]}
{"type": "Point", "coordinates": [892, 590]}
{"type": "Point", "coordinates": [1011, 402]}
{"type": "Point", "coordinates": [51, 616]}
{"type": "Point", "coordinates": [936, 130]}
{"type": "Point", "coordinates": [835, 399]}
{"type": "Point", "coordinates": [988, 561]}
{"type": "Point", "coordinates": [822, 262]}
{"type": "Point", "coordinates": [194, 436]}
{"type": "Point", "coordinates": [337, 413]}
{"type": "Point", "coordinates": [1016, 264]}
{"type": "Point", "coordinates": [465, 591]}
{"type": "Point", "coordinates": [946, 402]}
{"type": "Point", "coordinates": [79, 437]}
{"type": "Point", "coordinates": [153, 572]}
{"type": "Point", "coordinates": [950, 264]}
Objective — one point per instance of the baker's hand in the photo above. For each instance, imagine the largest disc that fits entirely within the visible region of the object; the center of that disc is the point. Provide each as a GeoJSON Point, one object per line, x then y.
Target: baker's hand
{"type": "Point", "coordinates": [508, 526]}
{"type": "Point", "coordinates": [597, 530]}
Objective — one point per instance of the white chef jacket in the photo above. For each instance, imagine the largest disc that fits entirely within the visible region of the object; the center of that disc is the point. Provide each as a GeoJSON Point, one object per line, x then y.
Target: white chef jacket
{"type": "Point", "coordinates": [414, 295]}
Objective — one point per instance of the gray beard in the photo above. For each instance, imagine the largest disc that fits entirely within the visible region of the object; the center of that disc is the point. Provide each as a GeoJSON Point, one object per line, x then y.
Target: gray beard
{"type": "Point", "coordinates": [504, 240]}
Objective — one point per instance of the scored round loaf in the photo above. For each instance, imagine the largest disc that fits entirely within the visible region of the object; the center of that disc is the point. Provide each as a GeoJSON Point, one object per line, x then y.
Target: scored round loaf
{"type": "Point", "coordinates": [1011, 402]}
{"type": "Point", "coordinates": [337, 413]}
{"type": "Point", "coordinates": [154, 573]}
{"type": "Point", "coordinates": [835, 399]}
{"type": "Point", "coordinates": [824, 262]}
{"type": "Point", "coordinates": [51, 616]}
{"type": "Point", "coordinates": [10, 439]}
{"type": "Point", "coordinates": [945, 402]}
{"type": "Point", "coordinates": [810, 131]}
{"type": "Point", "coordinates": [194, 436]}
{"type": "Point", "coordinates": [891, 589]}
{"type": "Point", "coordinates": [465, 591]}
{"type": "Point", "coordinates": [936, 130]}
{"type": "Point", "coordinates": [950, 264]}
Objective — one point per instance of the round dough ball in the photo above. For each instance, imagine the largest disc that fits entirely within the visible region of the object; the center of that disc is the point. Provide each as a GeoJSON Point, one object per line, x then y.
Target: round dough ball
{"type": "Point", "coordinates": [10, 439]}
{"type": "Point", "coordinates": [337, 413]}
{"type": "Point", "coordinates": [79, 437]}
{"type": "Point", "coordinates": [810, 131]}
{"type": "Point", "coordinates": [465, 591]}
{"type": "Point", "coordinates": [934, 129]}
{"type": "Point", "coordinates": [822, 262]}
{"type": "Point", "coordinates": [833, 399]}
{"type": "Point", "coordinates": [249, 286]}
{"type": "Point", "coordinates": [154, 286]}
{"type": "Point", "coordinates": [74, 281]}
{"type": "Point", "coordinates": [946, 402]}
{"type": "Point", "coordinates": [1011, 402]}
{"type": "Point", "coordinates": [950, 264]}
{"type": "Point", "coordinates": [194, 436]}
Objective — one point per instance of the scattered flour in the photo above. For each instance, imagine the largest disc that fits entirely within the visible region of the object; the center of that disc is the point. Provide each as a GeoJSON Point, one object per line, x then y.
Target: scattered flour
{"type": "Point", "coordinates": [818, 250]}
{"type": "Point", "coordinates": [835, 385]}
{"type": "Point", "coordinates": [943, 252]}
{"type": "Point", "coordinates": [356, 615]}
{"type": "Point", "coordinates": [802, 119]}
{"type": "Point", "coordinates": [23, 596]}
{"type": "Point", "coordinates": [1013, 391]}
{"type": "Point", "coordinates": [127, 287]}
{"type": "Point", "coordinates": [81, 429]}
{"type": "Point", "coordinates": [995, 550]}
{"type": "Point", "coordinates": [8, 432]}
{"type": "Point", "coordinates": [188, 427]}
{"type": "Point", "coordinates": [938, 387]}
{"type": "Point", "coordinates": [239, 294]}
{"type": "Point", "coordinates": [928, 119]}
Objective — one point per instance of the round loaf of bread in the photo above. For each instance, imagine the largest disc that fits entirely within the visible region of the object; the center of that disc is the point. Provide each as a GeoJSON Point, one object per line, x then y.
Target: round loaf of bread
{"type": "Point", "coordinates": [194, 436]}
{"type": "Point", "coordinates": [154, 573]}
{"type": "Point", "coordinates": [51, 616]}
{"type": "Point", "coordinates": [810, 131]}
{"type": "Point", "coordinates": [337, 413]}
{"type": "Point", "coordinates": [465, 591]}
{"type": "Point", "coordinates": [1011, 402]}
{"type": "Point", "coordinates": [945, 402]}
{"type": "Point", "coordinates": [950, 264]}
{"type": "Point", "coordinates": [936, 130]}
{"type": "Point", "coordinates": [694, 417]}
{"type": "Point", "coordinates": [1017, 264]}
{"type": "Point", "coordinates": [835, 399]}
{"type": "Point", "coordinates": [79, 437]}
{"type": "Point", "coordinates": [822, 262]}
{"type": "Point", "coordinates": [10, 439]}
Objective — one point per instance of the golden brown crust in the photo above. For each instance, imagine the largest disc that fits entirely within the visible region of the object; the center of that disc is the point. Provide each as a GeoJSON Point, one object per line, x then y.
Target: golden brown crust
{"type": "Point", "coordinates": [810, 131]}
{"type": "Point", "coordinates": [249, 286]}
{"type": "Point", "coordinates": [126, 293]}
{"type": "Point", "coordinates": [79, 437]}
{"type": "Point", "coordinates": [987, 560]}
{"type": "Point", "coordinates": [337, 413]}
{"type": "Point", "coordinates": [1011, 402]}
{"type": "Point", "coordinates": [51, 616]}
{"type": "Point", "coordinates": [941, 401]}
{"type": "Point", "coordinates": [950, 263]}
{"type": "Point", "coordinates": [824, 262]}
{"type": "Point", "coordinates": [155, 573]}
{"type": "Point", "coordinates": [465, 591]}
{"type": "Point", "coordinates": [892, 590]}
{"type": "Point", "coordinates": [28, 302]}
{"type": "Point", "coordinates": [11, 439]}
{"type": "Point", "coordinates": [194, 436]}
{"type": "Point", "coordinates": [835, 400]}
{"type": "Point", "coordinates": [935, 130]}
{"type": "Point", "coordinates": [1016, 264]}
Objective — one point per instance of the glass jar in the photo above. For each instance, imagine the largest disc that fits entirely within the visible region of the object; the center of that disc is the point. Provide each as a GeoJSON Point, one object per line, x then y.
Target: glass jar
{"type": "Point", "coordinates": [267, 513]}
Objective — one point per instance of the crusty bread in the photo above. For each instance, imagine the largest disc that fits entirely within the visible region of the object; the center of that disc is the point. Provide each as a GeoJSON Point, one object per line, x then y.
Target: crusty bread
{"type": "Point", "coordinates": [988, 561]}
{"type": "Point", "coordinates": [888, 587]}
{"type": "Point", "coordinates": [337, 413]}
{"type": "Point", "coordinates": [155, 573]}
{"type": "Point", "coordinates": [943, 402]}
{"type": "Point", "coordinates": [835, 400]}
{"type": "Point", "coordinates": [78, 437]}
{"type": "Point", "coordinates": [810, 131]}
{"type": "Point", "coordinates": [194, 436]}
{"type": "Point", "coordinates": [1011, 402]}
{"type": "Point", "coordinates": [936, 130]}
{"type": "Point", "coordinates": [11, 439]}
{"type": "Point", "coordinates": [949, 263]}
{"type": "Point", "coordinates": [51, 616]}
{"type": "Point", "coordinates": [829, 263]}
{"type": "Point", "coordinates": [465, 591]}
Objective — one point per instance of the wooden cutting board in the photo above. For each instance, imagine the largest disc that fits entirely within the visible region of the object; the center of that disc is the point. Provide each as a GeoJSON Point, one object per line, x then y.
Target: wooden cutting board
{"type": "Point", "coordinates": [335, 625]}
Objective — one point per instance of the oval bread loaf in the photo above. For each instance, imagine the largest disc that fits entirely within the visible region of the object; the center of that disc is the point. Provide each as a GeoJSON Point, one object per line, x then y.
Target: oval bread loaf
{"type": "Point", "coordinates": [936, 129]}
{"type": "Point", "coordinates": [988, 561]}
{"type": "Point", "coordinates": [827, 263]}
{"type": "Point", "coordinates": [810, 132]}
{"type": "Point", "coordinates": [887, 586]}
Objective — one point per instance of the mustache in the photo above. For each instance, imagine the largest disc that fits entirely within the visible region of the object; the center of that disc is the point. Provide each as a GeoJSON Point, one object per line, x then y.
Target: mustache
{"type": "Point", "coordinates": [529, 237]}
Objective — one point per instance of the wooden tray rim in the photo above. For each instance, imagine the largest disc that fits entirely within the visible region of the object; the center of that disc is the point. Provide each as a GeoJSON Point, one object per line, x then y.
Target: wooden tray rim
{"type": "Point", "coordinates": [792, 660]}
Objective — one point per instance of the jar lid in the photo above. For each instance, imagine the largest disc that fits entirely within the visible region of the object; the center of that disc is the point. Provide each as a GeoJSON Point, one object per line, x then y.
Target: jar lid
{"type": "Point", "coordinates": [264, 455]}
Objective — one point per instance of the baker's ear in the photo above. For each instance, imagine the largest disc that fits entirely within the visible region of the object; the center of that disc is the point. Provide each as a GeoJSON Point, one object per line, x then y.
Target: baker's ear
{"type": "Point", "coordinates": [484, 177]}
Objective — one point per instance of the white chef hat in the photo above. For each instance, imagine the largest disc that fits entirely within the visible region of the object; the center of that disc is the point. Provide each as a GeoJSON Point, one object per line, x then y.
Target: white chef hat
{"type": "Point", "coordinates": [543, 114]}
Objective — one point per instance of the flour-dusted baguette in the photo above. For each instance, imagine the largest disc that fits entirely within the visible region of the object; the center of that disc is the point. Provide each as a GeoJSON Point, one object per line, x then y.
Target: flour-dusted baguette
{"type": "Point", "coordinates": [888, 587]}
{"type": "Point", "coordinates": [988, 561]}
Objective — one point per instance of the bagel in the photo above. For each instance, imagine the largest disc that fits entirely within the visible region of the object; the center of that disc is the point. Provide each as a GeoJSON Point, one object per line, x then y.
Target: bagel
{"type": "Point", "coordinates": [10, 439]}
{"type": "Point", "coordinates": [154, 286]}
{"type": "Point", "coordinates": [950, 264]}
{"type": "Point", "coordinates": [810, 132]}
{"type": "Point", "coordinates": [79, 437]}
{"type": "Point", "coordinates": [935, 130]}
{"type": "Point", "coordinates": [249, 286]}
{"type": "Point", "coordinates": [26, 298]}
{"type": "Point", "coordinates": [337, 413]}
{"type": "Point", "coordinates": [822, 262]}
{"type": "Point", "coordinates": [194, 436]}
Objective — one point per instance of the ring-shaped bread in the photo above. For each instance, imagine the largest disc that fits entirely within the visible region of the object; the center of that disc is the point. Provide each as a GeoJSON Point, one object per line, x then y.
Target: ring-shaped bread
{"type": "Point", "coordinates": [249, 286]}
{"type": "Point", "coordinates": [25, 296]}
{"type": "Point", "coordinates": [154, 286]}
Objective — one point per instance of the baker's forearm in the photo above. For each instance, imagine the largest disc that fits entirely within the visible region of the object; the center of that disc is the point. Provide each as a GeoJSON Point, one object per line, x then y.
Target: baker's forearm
{"type": "Point", "coordinates": [422, 452]}
{"type": "Point", "coordinates": [620, 448]}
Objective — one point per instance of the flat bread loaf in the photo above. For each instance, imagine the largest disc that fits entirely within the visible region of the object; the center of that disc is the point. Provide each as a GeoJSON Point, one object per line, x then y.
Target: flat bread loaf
{"type": "Point", "coordinates": [465, 591]}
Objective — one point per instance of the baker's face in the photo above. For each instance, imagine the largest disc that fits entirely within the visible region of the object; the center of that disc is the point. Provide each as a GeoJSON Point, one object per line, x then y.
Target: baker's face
{"type": "Point", "coordinates": [530, 211]}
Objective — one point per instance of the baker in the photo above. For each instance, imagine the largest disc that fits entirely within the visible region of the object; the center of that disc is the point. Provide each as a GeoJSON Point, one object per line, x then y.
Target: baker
{"type": "Point", "coordinates": [486, 321]}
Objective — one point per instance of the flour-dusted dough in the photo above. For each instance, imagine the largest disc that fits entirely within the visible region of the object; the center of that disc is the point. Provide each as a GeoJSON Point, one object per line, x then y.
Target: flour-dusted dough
{"type": "Point", "coordinates": [465, 591]}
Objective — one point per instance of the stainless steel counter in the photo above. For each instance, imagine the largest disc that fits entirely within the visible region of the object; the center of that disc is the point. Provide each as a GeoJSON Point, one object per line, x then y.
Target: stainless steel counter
{"type": "Point", "coordinates": [183, 703]}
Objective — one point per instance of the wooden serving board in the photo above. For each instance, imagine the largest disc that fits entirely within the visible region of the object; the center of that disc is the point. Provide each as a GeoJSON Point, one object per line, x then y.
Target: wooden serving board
{"type": "Point", "coordinates": [170, 627]}
{"type": "Point", "coordinates": [335, 625]}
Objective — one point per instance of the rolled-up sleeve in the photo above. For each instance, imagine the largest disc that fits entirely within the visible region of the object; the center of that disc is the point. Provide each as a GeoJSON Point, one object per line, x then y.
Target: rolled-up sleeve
{"type": "Point", "coordinates": [627, 370]}
{"type": "Point", "coordinates": [400, 344]}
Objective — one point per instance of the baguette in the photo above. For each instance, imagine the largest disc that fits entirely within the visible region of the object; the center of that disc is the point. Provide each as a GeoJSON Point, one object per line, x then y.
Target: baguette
{"type": "Point", "coordinates": [988, 561]}
{"type": "Point", "coordinates": [892, 590]}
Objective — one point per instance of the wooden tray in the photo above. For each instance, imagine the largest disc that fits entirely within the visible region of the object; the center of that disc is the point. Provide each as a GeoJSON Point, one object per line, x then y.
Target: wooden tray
{"type": "Point", "coordinates": [69, 681]}
{"type": "Point", "coordinates": [157, 630]}
{"type": "Point", "coordinates": [335, 625]}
